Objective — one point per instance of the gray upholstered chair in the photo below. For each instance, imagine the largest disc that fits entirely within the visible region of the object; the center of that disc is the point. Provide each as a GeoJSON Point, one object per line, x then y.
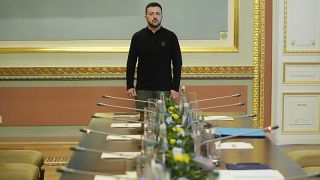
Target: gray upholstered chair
{"type": "Point", "coordinates": [18, 171]}
{"type": "Point", "coordinates": [24, 157]}
{"type": "Point", "coordinates": [309, 160]}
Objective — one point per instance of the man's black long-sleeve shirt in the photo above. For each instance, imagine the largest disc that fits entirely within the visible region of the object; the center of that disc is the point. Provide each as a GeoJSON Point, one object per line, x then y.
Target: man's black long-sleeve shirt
{"type": "Point", "coordinates": [155, 52]}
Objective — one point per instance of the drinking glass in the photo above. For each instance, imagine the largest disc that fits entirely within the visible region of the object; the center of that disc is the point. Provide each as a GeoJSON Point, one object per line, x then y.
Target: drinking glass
{"type": "Point", "coordinates": [130, 169]}
{"type": "Point", "coordinates": [214, 148]}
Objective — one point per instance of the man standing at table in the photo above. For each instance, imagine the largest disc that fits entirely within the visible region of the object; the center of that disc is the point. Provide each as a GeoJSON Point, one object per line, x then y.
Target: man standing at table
{"type": "Point", "coordinates": [154, 48]}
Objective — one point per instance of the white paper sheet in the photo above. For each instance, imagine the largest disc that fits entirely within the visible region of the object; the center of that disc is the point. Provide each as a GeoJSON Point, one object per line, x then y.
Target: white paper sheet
{"type": "Point", "coordinates": [127, 138]}
{"type": "Point", "coordinates": [235, 145]}
{"type": "Point", "coordinates": [129, 175]}
{"type": "Point", "coordinates": [250, 174]}
{"type": "Point", "coordinates": [126, 116]}
{"type": "Point", "coordinates": [125, 125]}
{"type": "Point", "coordinates": [120, 155]}
{"type": "Point", "coordinates": [219, 118]}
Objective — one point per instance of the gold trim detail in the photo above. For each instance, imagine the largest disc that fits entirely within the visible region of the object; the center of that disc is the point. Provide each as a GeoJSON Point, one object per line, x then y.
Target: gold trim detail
{"type": "Point", "coordinates": [225, 70]}
{"type": "Point", "coordinates": [98, 72]}
{"type": "Point", "coordinates": [124, 49]}
{"type": "Point", "coordinates": [297, 93]}
{"type": "Point", "coordinates": [298, 64]}
{"type": "Point", "coordinates": [285, 26]}
{"type": "Point", "coordinates": [61, 71]}
{"type": "Point", "coordinates": [258, 61]}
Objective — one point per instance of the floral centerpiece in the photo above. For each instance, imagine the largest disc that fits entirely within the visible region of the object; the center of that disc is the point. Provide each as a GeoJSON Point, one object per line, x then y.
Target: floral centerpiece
{"type": "Point", "coordinates": [180, 148]}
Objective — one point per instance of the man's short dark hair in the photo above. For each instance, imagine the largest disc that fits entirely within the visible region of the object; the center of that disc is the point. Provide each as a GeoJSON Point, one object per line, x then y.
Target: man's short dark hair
{"type": "Point", "coordinates": [153, 4]}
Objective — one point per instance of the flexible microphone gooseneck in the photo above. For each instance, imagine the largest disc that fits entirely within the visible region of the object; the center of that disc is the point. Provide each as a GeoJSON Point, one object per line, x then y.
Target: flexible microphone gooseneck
{"type": "Point", "coordinates": [127, 99]}
{"type": "Point", "coordinates": [124, 107]}
{"type": "Point", "coordinates": [240, 116]}
{"type": "Point", "coordinates": [235, 117]}
{"type": "Point", "coordinates": [214, 98]}
{"type": "Point", "coordinates": [221, 106]}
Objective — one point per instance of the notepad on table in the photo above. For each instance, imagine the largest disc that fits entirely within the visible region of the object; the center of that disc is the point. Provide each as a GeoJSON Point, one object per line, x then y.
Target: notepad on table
{"type": "Point", "coordinates": [123, 138]}
{"type": "Point", "coordinates": [235, 131]}
{"type": "Point", "coordinates": [218, 118]}
{"type": "Point", "coordinates": [265, 174]}
{"type": "Point", "coordinates": [125, 125]}
{"type": "Point", "coordinates": [236, 145]}
{"type": "Point", "coordinates": [119, 155]}
{"type": "Point", "coordinates": [129, 175]}
{"type": "Point", "coordinates": [126, 116]}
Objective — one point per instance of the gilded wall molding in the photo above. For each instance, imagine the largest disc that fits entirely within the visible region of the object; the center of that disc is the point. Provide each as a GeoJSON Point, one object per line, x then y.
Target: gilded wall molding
{"type": "Point", "coordinates": [74, 73]}
{"type": "Point", "coordinates": [258, 62]}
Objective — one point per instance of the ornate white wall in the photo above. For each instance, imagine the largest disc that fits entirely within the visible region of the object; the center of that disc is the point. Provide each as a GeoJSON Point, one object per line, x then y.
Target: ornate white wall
{"type": "Point", "coordinates": [296, 71]}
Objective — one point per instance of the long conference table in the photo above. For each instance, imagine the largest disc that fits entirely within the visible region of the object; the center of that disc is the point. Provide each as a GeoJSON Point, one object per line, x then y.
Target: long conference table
{"type": "Point", "coordinates": [264, 151]}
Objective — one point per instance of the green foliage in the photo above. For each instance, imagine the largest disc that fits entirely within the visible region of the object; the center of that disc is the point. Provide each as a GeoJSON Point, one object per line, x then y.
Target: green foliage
{"type": "Point", "coordinates": [178, 137]}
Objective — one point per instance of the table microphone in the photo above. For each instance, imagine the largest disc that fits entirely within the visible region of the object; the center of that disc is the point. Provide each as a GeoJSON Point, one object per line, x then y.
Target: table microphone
{"type": "Point", "coordinates": [128, 99]}
{"type": "Point", "coordinates": [79, 148]}
{"type": "Point", "coordinates": [89, 131]}
{"type": "Point", "coordinates": [214, 98]}
{"type": "Point", "coordinates": [214, 107]}
{"type": "Point", "coordinates": [75, 171]}
{"type": "Point", "coordinates": [267, 129]}
{"type": "Point", "coordinates": [124, 107]}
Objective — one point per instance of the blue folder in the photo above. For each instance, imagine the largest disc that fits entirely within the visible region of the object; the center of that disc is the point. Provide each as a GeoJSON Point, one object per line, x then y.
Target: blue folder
{"type": "Point", "coordinates": [235, 131]}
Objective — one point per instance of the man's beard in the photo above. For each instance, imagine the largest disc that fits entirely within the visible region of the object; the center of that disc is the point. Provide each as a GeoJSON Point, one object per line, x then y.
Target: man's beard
{"type": "Point", "coordinates": [154, 25]}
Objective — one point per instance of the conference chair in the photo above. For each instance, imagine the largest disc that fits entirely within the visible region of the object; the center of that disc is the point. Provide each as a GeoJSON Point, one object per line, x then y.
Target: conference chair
{"type": "Point", "coordinates": [18, 171]}
{"type": "Point", "coordinates": [309, 160]}
{"type": "Point", "coordinates": [28, 157]}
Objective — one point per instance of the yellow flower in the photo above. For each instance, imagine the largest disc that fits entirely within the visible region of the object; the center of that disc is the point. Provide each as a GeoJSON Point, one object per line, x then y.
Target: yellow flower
{"type": "Point", "coordinates": [179, 129]}
{"type": "Point", "coordinates": [174, 129]}
{"type": "Point", "coordinates": [171, 108]}
{"type": "Point", "coordinates": [172, 141]}
{"type": "Point", "coordinates": [184, 158]}
{"type": "Point", "coordinates": [175, 116]}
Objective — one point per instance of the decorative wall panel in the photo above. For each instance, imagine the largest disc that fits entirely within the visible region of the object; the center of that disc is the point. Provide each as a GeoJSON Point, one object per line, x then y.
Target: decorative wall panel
{"type": "Point", "coordinates": [302, 26]}
{"type": "Point", "coordinates": [301, 73]}
{"type": "Point", "coordinates": [301, 112]}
